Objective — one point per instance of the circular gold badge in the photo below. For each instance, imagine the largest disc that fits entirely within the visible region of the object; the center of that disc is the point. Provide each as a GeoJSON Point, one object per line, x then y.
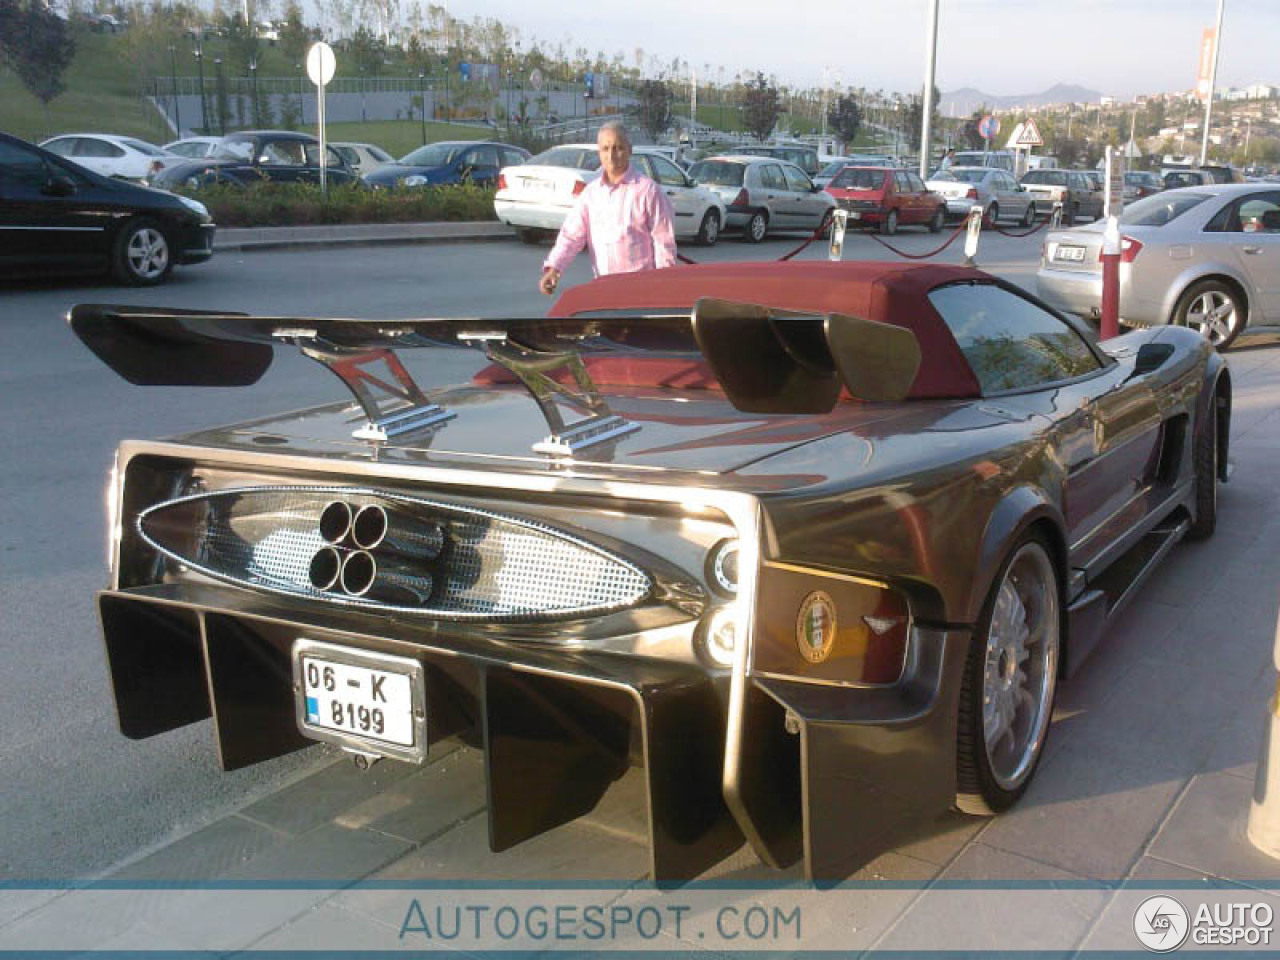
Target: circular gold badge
{"type": "Point", "coordinates": [816, 627]}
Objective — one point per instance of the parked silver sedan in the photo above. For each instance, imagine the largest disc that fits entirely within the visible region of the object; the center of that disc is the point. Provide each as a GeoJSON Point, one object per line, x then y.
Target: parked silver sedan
{"type": "Point", "coordinates": [1204, 257]}
{"type": "Point", "coordinates": [763, 194]}
{"type": "Point", "coordinates": [995, 191]}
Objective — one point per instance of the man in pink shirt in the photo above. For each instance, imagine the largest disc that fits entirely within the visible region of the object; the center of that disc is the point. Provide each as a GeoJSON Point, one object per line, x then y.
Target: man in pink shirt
{"type": "Point", "coordinates": [625, 217]}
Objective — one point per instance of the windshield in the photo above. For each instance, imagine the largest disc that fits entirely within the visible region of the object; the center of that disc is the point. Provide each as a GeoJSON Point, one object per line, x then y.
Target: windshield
{"type": "Point", "coordinates": [832, 168]}
{"type": "Point", "coordinates": [575, 158]}
{"type": "Point", "coordinates": [717, 173]}
{"type": "Point", "coordinates": [859, 178]}
{"type": "Point", "coordinates": [1159, 208]}
{"type": "Point", "coordinates": [433, 155]}
{"type": "Point", "coordinates": [234, 149]}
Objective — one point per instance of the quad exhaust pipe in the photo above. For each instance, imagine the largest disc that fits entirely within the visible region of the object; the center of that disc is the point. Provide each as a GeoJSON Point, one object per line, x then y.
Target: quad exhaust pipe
{"type": "Point", "coordinates": [375, 554]}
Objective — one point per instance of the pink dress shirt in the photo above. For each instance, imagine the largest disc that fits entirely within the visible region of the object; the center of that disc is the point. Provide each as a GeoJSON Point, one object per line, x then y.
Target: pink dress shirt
{"type": "Point", "coordinates": [629, 226]}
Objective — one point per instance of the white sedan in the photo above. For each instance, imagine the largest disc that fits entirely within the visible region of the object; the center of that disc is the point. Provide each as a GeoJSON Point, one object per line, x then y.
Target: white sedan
{"type": "Point", "coordinates": [111, 156]}
{"type": "Point", "coordinates": [535, 197]}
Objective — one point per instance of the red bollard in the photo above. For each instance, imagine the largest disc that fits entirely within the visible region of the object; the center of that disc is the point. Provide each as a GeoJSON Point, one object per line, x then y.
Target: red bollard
{"type": "Point", "coordinates": [1110, 280]}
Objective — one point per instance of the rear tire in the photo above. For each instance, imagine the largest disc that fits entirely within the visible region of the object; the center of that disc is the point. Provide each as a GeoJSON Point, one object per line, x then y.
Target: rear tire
{"type": "Point", "coordinates": [1029, 217]}
{"type": "Point", "coordinates": [992, 215]}
{"type": "Point", "coordinates": [889, 225]}
{"type": "Point", "coordinates": [528, 235]}
{"type": "Point", "coordinates": [1010, 679]}
{"type": "Point", "coordinates": [757, 227]}
{"type": "Point", "coordinates": [141, 256]}
{"type": "Point", "coordinates": [939, 220]}
{"type": "Point", "coordinates": [1214, 310]}
{"type": "Point", "coordinates": [709, 231]}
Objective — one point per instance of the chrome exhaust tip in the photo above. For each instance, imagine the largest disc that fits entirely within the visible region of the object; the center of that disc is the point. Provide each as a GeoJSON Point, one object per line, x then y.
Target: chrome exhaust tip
{"type": "Point", "coordinates": [358, 572]}
{"type": "Point", "coordinates": [375, 528]}
{"type": "Point", "coordinates": [325, 569]}
{"type": "Point", "coordinates": [335, 521]}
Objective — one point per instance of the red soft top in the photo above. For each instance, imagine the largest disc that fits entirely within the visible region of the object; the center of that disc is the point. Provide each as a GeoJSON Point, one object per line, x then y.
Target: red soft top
{"type": "Point", "coordinates": [894, 293]}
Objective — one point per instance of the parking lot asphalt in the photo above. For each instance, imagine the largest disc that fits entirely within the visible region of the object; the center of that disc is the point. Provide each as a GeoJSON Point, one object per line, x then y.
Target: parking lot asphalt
{"type": "Point", "coordinates": [1145, 785]}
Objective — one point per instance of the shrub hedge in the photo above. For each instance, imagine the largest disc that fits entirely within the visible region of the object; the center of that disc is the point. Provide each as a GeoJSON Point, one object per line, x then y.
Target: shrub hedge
{"type": "Point", "coordinates": [300, 204]}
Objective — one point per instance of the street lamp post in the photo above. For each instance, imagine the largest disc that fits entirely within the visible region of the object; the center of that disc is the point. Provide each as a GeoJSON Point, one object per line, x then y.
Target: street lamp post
{"type": "Point", "coordinates": [173, 85]}
{"type": "Point", "coordinates": [422, 89]}
{"type": "Point", "coordinates": [198, 38]}
{"type": "Point", "coordinates": [220, 88]}
{"type": "Point", "coordinates": [253, 73]}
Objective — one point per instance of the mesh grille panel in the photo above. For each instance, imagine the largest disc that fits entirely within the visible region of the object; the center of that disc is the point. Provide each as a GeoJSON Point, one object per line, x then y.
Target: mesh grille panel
{"type": "Point", "coordinates": [491, 566]}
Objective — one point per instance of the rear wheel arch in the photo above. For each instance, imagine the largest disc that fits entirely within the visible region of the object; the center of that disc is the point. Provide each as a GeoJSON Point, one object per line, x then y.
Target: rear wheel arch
{"type": "Point", "coordinates": [1223, 278]}
{"type": "Point", "coordinates": [1018, 511]}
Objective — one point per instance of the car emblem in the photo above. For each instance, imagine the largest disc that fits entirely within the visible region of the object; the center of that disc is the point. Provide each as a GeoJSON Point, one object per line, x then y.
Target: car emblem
{"type": "Point", "coordinates": [816, 627]}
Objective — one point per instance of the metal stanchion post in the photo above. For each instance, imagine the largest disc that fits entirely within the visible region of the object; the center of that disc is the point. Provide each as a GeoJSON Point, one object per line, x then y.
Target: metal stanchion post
{"type": "Point", "coordinates": [971, 238]}
{"type": "Point", "coordinates": [1055, 218]}
{"type": "Point", "coordinates": [1110, 279]}
{"type": "Point", "coordinates": [1264, 811]}
{"type": "Point", "coordinates": [839, 222]}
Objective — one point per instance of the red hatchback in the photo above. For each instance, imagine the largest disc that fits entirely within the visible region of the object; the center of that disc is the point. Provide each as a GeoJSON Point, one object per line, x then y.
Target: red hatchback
{"type": "Point", "coordinates": [887, 198]}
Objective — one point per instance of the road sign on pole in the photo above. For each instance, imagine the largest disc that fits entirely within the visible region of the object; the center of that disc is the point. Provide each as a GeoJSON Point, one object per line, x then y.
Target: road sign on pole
{"type": "Point", "coordinates": [1029, 136]}
{"type": "Point", "coordinates": [321, 65]}
{"type": "Point", "coordinates": [988, 127]}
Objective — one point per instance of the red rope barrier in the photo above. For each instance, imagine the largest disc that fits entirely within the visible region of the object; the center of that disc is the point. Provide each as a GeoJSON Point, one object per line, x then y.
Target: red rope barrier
{"type": "Point", "coordinates": [1040, 226]}
{"type": "Point", "coordinates": [922, 256]}
{"type": "Point", "coordinates": [817, 233]}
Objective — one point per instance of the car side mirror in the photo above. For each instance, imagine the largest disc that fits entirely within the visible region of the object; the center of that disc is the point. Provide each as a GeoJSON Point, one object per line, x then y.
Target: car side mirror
{"type": "Point", "coordinates": [815, 189]}
{"type": "Point", "coordinates": [59, 187]}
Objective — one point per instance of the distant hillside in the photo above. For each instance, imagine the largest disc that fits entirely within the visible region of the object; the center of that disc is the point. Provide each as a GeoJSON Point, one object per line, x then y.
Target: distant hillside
{"type": "Point", "coordinates": [959, 103]}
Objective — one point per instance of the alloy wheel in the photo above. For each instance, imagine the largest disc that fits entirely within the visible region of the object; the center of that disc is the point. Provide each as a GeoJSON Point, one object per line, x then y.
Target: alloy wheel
{"type": "Point", "coordinates": [148, 253]}
{"type": "Point", "coordinates": [1214, 315]}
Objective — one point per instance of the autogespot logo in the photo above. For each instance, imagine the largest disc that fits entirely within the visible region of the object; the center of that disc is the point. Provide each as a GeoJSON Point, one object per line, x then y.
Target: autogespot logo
{"type": "Point", "coordinates": [1161, 924]}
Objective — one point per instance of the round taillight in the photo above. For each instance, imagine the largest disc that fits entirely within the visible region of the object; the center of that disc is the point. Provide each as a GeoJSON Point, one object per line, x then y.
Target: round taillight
{"type": "Point", "coordinates": [722, 568]}
{"type": "Point", "coordinates": [718, 636]}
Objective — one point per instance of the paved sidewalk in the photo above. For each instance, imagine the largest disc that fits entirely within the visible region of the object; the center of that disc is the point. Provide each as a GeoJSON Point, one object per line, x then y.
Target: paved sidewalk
{"type": "Point", "coordinates": [359, 234]}
{"type": "Point", "coordinates": [1145, 787]}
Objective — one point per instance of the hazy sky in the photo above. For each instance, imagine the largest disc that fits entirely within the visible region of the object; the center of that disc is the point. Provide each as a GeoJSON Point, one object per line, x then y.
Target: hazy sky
{"type": "Point", "coordinates": [1003, 47]}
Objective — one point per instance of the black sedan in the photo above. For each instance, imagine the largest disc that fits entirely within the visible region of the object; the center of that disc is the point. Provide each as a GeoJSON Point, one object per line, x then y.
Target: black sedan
{"type": "Point", "coordinates": [450, 161]}
{"type": "Point", "coordinates": [56, 215]}
{"type": "Point", "coordinates": [252, 156]}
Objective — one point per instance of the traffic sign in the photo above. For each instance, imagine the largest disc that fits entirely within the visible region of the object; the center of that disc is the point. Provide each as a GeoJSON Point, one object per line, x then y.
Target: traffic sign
{"type": "Point", "coordinates": [988, 127]}
{"type": "Point", "coordinates": [321, 63]}
{"type": "Point", "coordinates": [1030, 135]}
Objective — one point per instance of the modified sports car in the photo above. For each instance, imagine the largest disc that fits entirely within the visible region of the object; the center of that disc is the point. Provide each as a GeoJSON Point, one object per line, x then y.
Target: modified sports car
{"type": "Point", "coordinates": [810, 544]}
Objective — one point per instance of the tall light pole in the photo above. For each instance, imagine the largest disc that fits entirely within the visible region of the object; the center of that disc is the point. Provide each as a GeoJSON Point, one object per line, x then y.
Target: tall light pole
{"type": "Point", "coordinates": [198, 38]}
{"type": "Point", "coordinates": [173, 85]}
{"type": "Point", "coordinates": [1213, 85]}
{"type": "Point", "coordinates": [930, 63]}
{"type": "Point", "coordinates": [253, 73]}
{"type": "Point", "coordinates": [422, 89]}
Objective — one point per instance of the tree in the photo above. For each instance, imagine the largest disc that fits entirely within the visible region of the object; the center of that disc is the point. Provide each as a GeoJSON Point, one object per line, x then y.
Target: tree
{"type": "Point", "coordinates": [970, 137]}
{"type": "Point", "coordinates": [845, 118]}
{"type": "Point", "coordinates": [36, 44]}
{"type": "Point", "coordinates": [295, 37]}
{"type": "Point", "coordinates": [761, 107]}
{"type": "Point", "coordinates": [652, 109]}
{"type": "Point", "coordinates": [914, 118]}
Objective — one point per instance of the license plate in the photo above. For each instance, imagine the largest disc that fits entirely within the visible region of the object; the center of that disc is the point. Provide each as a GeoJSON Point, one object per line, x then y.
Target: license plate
{"type": "Point", "coordinates": [539, 186]}
{"type": "Point", "coordinates": [370, 702]}
{"type": "Point", "coordinates": [1073, 254]}
{"type": "Point", "coordinates": [855, 214]}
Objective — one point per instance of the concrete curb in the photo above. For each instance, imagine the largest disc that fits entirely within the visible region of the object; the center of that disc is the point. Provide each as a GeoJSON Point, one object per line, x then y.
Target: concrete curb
{"type": "Point", "coordinates": [358, 235]}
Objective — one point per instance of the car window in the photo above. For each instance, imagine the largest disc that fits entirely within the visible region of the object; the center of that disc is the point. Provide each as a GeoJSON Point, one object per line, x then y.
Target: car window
{"type": "Point", "coordinates": [188, 149]}
{"type": "Point", "coordinates": [511, 158]}
{"type": "Point", "coordinates": [832, 168]}
{"type": "Point", "coordinates": [666, 172]}
{"type": "Point", "coordinates": [89, 147]}
{"type": "Point", "coordinates": [967, 174]}
{"type": "Point", "coordinates": [718, 173]}
{"type": "Point", "coordinates": [143, 147]}
{"type": "Point", "coordinates": [859, 178]}
{"type": "Point", "coordinates": [19, 166]}
{"type": "Point", "coordinates": [379, 154]}
{"type": "Point", "coordinates": [63, 146]}
{"type": "Point", "coordinates": [771, 177]}
{"type": "Point", "coordinates": [641, 163]}
{"type": "Point", "coordinates": [796, 180]}
{"type": "Point", "coordinates": [917, 185]}
{"type": "Point", "coordinates": [1160, 208]}
{"type": "Point", "coordinates": [1257, 213]}
{"type": "Point", "coordinates": [283, 153]}
{"type": "Point", "coordinates": [349, 154]}
{"type": "Point", "coordinates": [486, 156]}
{"type": "Point", "coordinates": [1011, 343]}
{"type": "Point", "coordinates": [240, 151]}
